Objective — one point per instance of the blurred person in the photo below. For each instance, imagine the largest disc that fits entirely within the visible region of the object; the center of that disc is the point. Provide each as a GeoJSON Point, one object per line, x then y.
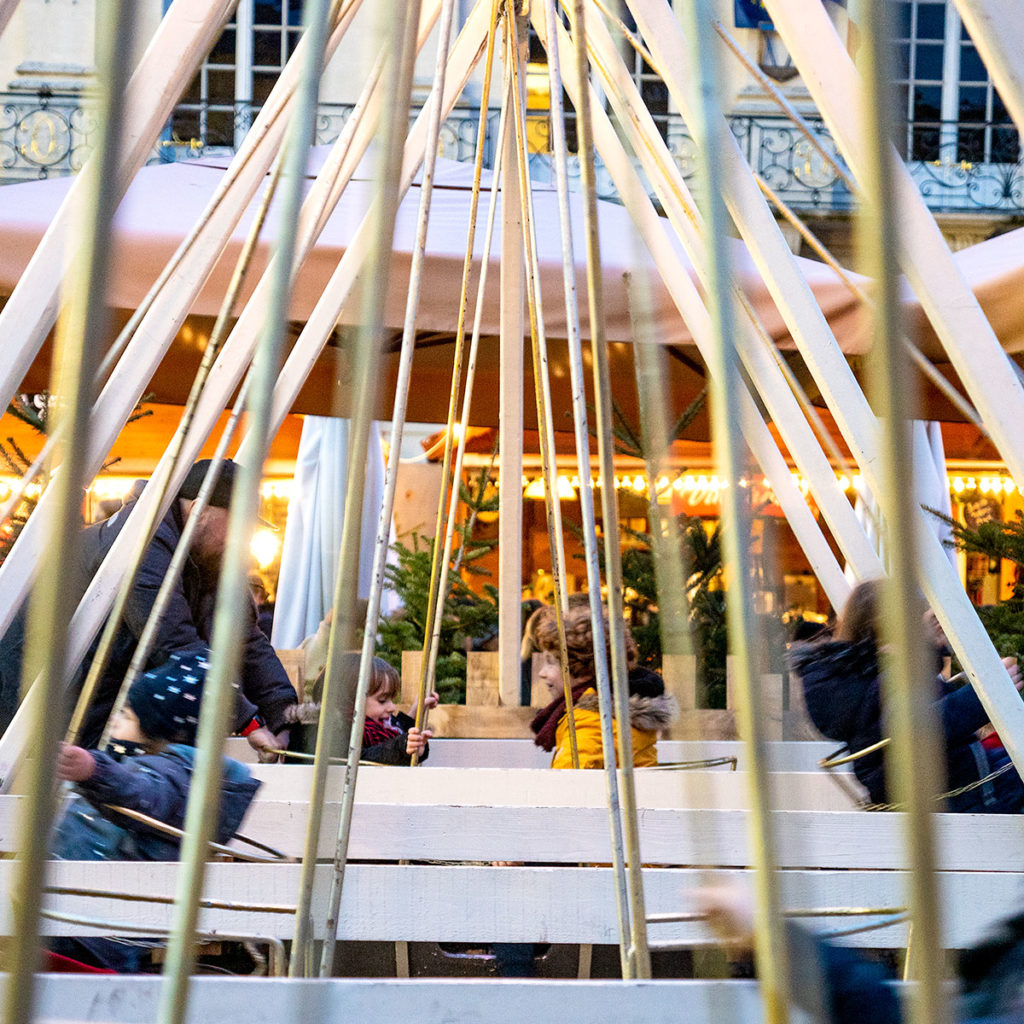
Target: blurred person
{"type": "Point", "coordinates": [843, 693]}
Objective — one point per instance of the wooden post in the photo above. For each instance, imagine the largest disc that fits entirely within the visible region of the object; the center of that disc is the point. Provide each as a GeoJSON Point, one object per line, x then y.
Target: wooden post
{"type": "Point", "coordinates": [510, 421]}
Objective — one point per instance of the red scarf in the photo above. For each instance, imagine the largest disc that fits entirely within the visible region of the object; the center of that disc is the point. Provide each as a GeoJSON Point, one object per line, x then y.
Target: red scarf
{"type": "Point", "coordinates": [545, 722]}
{"type": "Point", "coordinates": [375, 732]}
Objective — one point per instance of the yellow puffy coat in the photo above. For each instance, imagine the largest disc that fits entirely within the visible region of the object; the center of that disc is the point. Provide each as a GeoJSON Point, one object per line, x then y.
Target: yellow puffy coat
{"type": "Point", "coordinates": [648, 717]}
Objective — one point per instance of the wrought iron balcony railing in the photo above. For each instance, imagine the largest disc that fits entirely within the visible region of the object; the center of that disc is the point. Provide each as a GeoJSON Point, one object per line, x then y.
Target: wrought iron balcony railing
{"type": "Point", "coordinates": [968, 168]}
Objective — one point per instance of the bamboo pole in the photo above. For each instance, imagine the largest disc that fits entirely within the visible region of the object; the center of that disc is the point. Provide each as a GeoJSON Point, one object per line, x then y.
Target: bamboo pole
{"type": "Point", "coordinates": [205, 793]}
{"type": "Point", "coordinates": [167, 309]}
{"type": "Point", "coordinates": [830, 76]}
{"type": "Point", "coordinates": [623, 817]}
{"type": "Point", "coordinates": [510, 429]}
{"type": "Point", "coordinates": [224, 378]}
{"type": "Point", "coordinates": [687, 300]}
{"type": "Point", "coordinates": [907, 685]}
{"type": "Point", "coordinates": [321, 322]}
{"type": "Point", "coordinates": [770, 944]}
{"type": "Point", "coordinates": [438, 586]}
{"type": "Point", "coordinates": [80, 339]}
{"type": "Point", "coordinates": [952, 308]}
{"type": "Point", "coordinates": [399, 31]}
{"type": "Point", "coordinates": [182, 40]}
{"type": "Point", "coordinates": [926, 366]}
{"type": "Point", "coordinates": [651, 371]}
{"type": "Point", "coordinates": [139, 658]}
{"type": "Point", "coordinates": [575, 348]}
{"type": "Point", "coordinates": [756, 348]}
{"type": "Point", "coordinates": [542, 389]}
{"type": "Point", "coordinates": [304, 353]}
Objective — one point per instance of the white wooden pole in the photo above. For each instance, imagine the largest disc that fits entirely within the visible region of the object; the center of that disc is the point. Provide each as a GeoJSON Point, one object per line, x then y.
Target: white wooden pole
{"type": "Point", "coordinates": [752, 342]}
{"type": "Point", "coordinates": [183, 39]}
{"type": "Point", "coordinates": [229, 368]}
{"type": "Point", "coordinates": [7, 9]}
{"type": "Point", "coordinates": [942, 588]}
{"type": "Point", "coordinates": [997, 28]}
{"type": "Point", "coordinates": [952, 308]}
{"type": "Point", "coordinates": [510, 418]}
{"type": "Point", "coordinates": [190, 266]}
{"type": "Point", "coordinates": [691, 308]}
{"type": "Point", "coordinates": [465, 53]}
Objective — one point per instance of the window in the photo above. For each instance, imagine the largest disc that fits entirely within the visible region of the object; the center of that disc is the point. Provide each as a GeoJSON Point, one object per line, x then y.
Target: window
{"type": "Point", "coordinates": [953, 113]}
{"type": "Point", "coordinates": [239, 73]}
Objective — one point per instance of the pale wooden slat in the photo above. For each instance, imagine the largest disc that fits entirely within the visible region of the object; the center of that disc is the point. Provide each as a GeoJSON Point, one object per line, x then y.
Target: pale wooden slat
{"type": "Point", "coordinates": [814, 839]}
{"type": "Point", "coordinates": [713, 789]}
{"type": "Point", "coordinates": [791, 756]}
{"type": "Point", "coordinates": [435, 903]}
{"type": "Point", "coordinates": [134, 1000]}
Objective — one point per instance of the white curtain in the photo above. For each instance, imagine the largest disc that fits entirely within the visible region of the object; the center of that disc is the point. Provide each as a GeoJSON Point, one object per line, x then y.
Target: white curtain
{"type": "Point", "coordinates": [312, 537]}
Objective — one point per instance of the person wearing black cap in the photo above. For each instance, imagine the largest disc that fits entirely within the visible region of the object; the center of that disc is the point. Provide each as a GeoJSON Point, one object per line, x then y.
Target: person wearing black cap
{"type": "Point", "coordinates": [265, 693]}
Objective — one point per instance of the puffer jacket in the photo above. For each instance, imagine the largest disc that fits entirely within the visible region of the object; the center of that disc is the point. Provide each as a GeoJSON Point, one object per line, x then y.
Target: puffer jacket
{"type": "Point", "coordinates": [187, 625]}
{"type": "Point", "coordinates": [842, 692]}
{"type": "Point", "coordinates": [153, 784]}
{"type": "Point", "coordinates": [649, 714]}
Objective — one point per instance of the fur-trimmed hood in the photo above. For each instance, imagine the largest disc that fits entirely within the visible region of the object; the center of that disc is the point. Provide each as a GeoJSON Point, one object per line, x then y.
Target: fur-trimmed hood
{"type": "Point", "coordinates": [646, 714]}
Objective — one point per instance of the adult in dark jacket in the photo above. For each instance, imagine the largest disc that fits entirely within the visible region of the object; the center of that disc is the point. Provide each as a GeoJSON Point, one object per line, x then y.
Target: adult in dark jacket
{"type": "Point", "coordinates": [842, 691]}
{"type": "Point", "coordinates": [265, 692]}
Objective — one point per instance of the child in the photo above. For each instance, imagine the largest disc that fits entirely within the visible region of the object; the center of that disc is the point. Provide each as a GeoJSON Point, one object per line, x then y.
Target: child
{"type": "Point", "coordinates": [148, 768]}
{"type": "Point", "coordinates": [389, 736]}
{"type": "Point", "coordinates": [651, 710]}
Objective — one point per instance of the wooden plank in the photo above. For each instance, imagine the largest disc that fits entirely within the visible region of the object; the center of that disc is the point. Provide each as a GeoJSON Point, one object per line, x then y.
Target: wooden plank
{"type": "Point", "coordinates": [713, 789]}
{"type": "Point", "coordinates": [134, 1000]}
{"type": "Point", "coordinates": [806, 839]}
{"type": "Point", "coordinates": [294, 663]}
{"type": "Point", "coordinates": [680, 674]}
{"type": "Point", "coordinates": [482, 679]}
{"type": "Point", "coordinates": [792, 756]}
{"type": "Point", "coordinates": [483, 903]}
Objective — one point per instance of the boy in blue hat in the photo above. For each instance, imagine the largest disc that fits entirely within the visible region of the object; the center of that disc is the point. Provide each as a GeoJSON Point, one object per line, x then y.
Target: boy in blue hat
{"type": "Point", "coordinates": [148, 768]}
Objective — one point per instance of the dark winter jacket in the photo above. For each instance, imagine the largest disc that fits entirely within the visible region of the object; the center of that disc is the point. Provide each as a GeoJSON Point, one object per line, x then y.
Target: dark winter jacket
{"type": "Point", "coordinates": [393, 751]}
{"type": "Point", "coordinates": [842, 691]}
{"type": "Point", "coordinates": [153, 784]}
{"type": "Point", "coordinates": [187, 624]}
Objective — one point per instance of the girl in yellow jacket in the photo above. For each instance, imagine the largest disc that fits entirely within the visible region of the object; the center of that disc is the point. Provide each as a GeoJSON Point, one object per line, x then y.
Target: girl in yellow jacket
{"type": "Point", "coordinates": [651, 709]}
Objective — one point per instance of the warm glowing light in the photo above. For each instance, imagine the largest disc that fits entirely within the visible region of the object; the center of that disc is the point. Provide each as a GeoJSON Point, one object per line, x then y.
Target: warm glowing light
{"type": "Point", "coordinates": [958, 485]}
{"type": "Point", "coordinates": [265, 547]}
{"type": "Point", "coordinates": [278, 489]}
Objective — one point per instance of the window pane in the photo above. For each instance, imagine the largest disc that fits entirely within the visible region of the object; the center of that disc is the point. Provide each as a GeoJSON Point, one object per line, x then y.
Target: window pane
{"type": "Point", "coordinates": [925, 143]}
{"type": "Point", "coordinates": [1005, 146]}
{"type": "Point", "coordinates": [262, 83]}
{"type": "Point", "coordinates": [221, 86]}
{"type": "Point", "coordinates": [972, 67]}
{"type": "Point", "coordinates": [267, 12]}
{"type": "Point", "coordinates": [927, 103]}
{"type": "Point", "coordinates": [223, 51]}
{"type": "Point", "coordinates": [266, 48]}
{"type": "Point", "coordinates": [931, 21]}
{"type": "Point", "coordinates": [185, 124]}
{"type": "Point", "coordinates": [220, 128]}
{"type": "Point", "coordinates": [929, 63]}
{"type": "Point", "coordinates": [999, 112]}
{"type": "Point", "coordinates": [971, 145]}
{"type": "Point", "coordinates": [972, 103]}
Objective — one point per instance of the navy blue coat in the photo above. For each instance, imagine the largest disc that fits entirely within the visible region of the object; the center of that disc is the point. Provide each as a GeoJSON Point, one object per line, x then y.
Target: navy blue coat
{"type": "Point", "coordinates": [153, 784]}
{"type": "Point", "coordinates": [842, 691]}
{"type": "Point", "coordinates": [186, 625]}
